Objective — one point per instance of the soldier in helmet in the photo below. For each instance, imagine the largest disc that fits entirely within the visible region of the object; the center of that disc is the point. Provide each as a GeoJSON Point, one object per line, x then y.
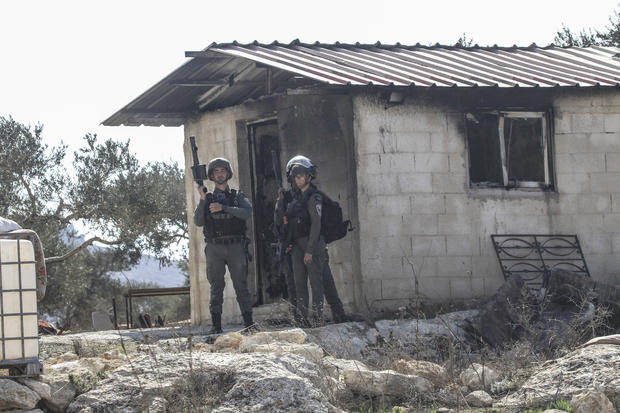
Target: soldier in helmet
{"type": "Point", "coordinates": [223, 214]}
{"type": "Point", "coordinates": [308, 253]}
{"type": "Point", "coordinates": [285, 197]}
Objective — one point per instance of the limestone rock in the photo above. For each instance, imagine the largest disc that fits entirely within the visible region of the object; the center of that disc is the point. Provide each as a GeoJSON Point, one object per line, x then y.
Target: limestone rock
{"type": "Point", "coordinates": [592, 401]}
{"type": "Point", "coordinates": [334, 367]}
{"type": "Point", "coordinates": [452, 395]}
{"type": "Point", "coordinates": [479, 377]}
{"type": "Point", "coordinates": [592, 367]}
{"type": "Point", "coordinates": [293, 336]}
{"type": "Point", "coordinates": [16, 396]}
{"type": "Point", "coordinates": [435, 373]}
{"type": "Point", "coordinates": [309, 351]}
{"type": "Point", "coordinates": [42, 389]}
{"type": "Point", "coordinates": [251, 382]}
{"type": "Point", "coordinates": [386, 382]}
{"type": "Point", "coordinates": [63, 392]}
{"type": "Point", "coordinates": [68, 356]}
{"type": "Point", "coordinates": [479, 398]}
{"type": "Point", "coordinates": [23, 411]}
{"type": "Point", "coordinates": [229, 340]}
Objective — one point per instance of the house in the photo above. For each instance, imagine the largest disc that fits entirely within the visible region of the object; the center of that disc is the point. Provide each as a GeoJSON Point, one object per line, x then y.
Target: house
{"type": "Point", "coordinates": [429, 149]}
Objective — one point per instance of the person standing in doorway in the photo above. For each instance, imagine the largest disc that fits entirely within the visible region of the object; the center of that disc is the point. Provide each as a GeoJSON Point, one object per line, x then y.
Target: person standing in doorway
{"type": "Point", "coordinates": [223, 215]}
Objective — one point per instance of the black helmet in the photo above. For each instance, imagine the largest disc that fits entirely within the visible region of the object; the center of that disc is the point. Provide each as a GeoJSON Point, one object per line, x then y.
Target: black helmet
{"type": "Point", "coordinates": [300, 165]}
{"type": "Point", "coordinates": [219, 163]}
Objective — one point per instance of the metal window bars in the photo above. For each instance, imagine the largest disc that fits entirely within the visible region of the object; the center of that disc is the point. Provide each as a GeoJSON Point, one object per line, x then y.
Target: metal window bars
{"type": "Point", "coordinates": [20, 360]}
{"type": "Point", "coordinates": [534, 256]}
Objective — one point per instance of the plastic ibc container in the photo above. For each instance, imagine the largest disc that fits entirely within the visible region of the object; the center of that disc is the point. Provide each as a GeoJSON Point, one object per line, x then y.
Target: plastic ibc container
{"type": "Point", "coordinates": [19, 340]}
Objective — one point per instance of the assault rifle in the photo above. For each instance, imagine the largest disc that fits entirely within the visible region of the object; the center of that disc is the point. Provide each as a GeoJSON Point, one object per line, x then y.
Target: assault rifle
{"type": "Point", "coordinates": [199, 171]}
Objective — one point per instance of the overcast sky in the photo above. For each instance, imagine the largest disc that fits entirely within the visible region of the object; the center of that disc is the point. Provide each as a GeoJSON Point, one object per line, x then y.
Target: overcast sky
{"type": "Point", "coordinates": [71, 64]}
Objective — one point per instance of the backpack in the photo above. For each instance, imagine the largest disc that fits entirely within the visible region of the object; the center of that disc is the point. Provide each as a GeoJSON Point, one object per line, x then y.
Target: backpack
{"type": "Point", "coordinates": [333, 226]}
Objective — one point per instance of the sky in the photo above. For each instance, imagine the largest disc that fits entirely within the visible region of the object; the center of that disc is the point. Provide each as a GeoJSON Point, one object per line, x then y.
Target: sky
{"type": "Point", "coordinates": [69, 65]}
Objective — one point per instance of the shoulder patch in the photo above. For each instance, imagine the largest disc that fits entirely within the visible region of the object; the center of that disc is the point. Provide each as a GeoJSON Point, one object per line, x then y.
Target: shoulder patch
{"type": "Point", "coordinates": [319, 208]}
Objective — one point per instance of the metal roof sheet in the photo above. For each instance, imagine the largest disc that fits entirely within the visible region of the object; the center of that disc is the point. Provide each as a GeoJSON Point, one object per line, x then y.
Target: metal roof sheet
{"type": "Point", "coordinates": [230, 73]}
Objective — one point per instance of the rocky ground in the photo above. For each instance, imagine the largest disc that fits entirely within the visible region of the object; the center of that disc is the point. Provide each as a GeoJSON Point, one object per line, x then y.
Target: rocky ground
{"type": "Point", "coordinates": [415, 365]}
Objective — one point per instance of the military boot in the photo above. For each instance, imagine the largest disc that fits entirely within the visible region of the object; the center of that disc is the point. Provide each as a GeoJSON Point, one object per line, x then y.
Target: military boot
{"type": "Point", "coordinates": [248, 323]}
{"type": "Point", "coordinates": [216, 321]}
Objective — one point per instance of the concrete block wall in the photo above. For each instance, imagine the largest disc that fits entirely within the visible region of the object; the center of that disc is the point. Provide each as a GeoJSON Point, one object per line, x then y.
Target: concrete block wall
{"type": "Point", "coordinates": [424, 232]}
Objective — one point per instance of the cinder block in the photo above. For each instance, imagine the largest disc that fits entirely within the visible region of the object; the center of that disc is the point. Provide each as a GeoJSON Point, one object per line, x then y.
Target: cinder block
{"type": "Point", "coordinates": [457, 163]}
{"type": "Point", "coordinates": [486, 266]}
{"type": "Point", "coordinates": [593, 203]}
{"type": "Point", "coordinates": [492, 284]}
{"type": "Point", "coordinates": [511, 224]}
{"type": "Point", "coordinates": [588, 122]}
{"type": "Point", "coordinates": [572, 143]}
{"type": "Point", "coordinates": [413, 142]}
{"type": "Point", "coordinates": [431, 162]}
{"type": "Point", "coordinates": [449, 183]}
{"type": "Point", "coordinates": [428, 245]}
{"type": "Point", "coordinates": [398, 288]}
{"type": "Point", "coordinates": [435, 288]}
{"type": "Point", "coordinates": [612, 122]}
{"type": "Point", "coordinates": [460, 204]}
{"type": "Point", "coordinates": [579, 224]}
{"type": "Point", "coordinates": [462, 245]}
{"type": "Point", "coordinates": [612, 161]}
{"type": "Point", "coordinates": [382, 267]}
{"type": "Point", "coordinates": [453, 140]}
{"type": "Point", "coordinates": [611, 222]}
{"type": "Point", "coordinates": [581, 162]}
{"type": "Point", "coordinates": [371, 290]}
{"type": "Point", "coordinates": [426, 120]}
{"type": "Point", "coordinates": [424, 266]}
{"type": "Point", "coordinates": [390, 205]}
{"type": "Point", "coordinates": [375, 143]}
{"type": "Point", "coordinates": [478, 287]}
{"type": "Point", "coordinates": [454, 224]}
{"type": "Point", "coordinates": [454, 266]}
{"type": "Point", "coordinates": [605, 142]}
{"type": "Point", "coordinates": [388, 246]}
{"type": "Point", "coordinates": [397, 162]}
{"type": "Point", "coordinates": [383, 226]}
{"type": "Point", "coordinates": [615, 244]}
{"type": "Point", "coordinates": [615, 203]}
{"type": "Point", "coordinates": [596, 242]}
{"type": "Point", "coordinates": [420, 224]}
{"type": "Point", "coordinates": [428, 203]}
{"type": "Point", "coordinates": [461, 287]}
{"type": "Point", "coordinates": [376, 184]}
{"type": "Point", "coordinates": [607, 182]}
{"type": "Point", "coordinates": [573, 183]}
{"type": "Point", "coordinates": [562, 122]}
{"type": "Point", "coordinates": [414, 183]}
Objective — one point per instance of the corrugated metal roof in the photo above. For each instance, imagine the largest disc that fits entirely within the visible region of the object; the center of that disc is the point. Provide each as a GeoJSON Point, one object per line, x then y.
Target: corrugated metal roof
{"type": "Point", "coordinates": [230, 73]}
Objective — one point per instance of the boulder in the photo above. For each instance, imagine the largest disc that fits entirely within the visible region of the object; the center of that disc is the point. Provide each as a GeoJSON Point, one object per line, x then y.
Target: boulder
{"type": "Point", "coordinates": [309, 351]}
{"type": "Point", "coordinates": [42, 389]}
{"type": "Point", "coordinates": [223, 382]}
{"type": "Point", "coordinates": [435, 373]}
{"type": "Point", "coordinates": [16, 396]}
{"type": "Point", "coordinates": [386, 382]}
{"type": "Point", "coordinates": [591, 367]}
{"type": "Point", "coordinates": [592, 401]}
{"type": "Point", "coordinates": [334, 367]}
{"type": "Point", "coordinates": [479, 398]}
{"type": "Point", "coordinates": [479, 377]}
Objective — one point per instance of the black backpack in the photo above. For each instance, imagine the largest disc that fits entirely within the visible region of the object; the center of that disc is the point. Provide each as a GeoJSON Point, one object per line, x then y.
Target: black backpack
{"type": "Point", "coordinates": [333, 226]}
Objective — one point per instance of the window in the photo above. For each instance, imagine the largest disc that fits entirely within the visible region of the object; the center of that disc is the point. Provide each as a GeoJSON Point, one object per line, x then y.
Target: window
{"type": "Point", "coordinates": [509, 149]}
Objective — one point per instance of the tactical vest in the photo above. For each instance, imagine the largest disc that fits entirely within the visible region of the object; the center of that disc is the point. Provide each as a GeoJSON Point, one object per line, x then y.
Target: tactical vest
{"type": "Point", "coordinates": [222, 224]}
{"type": "Point", "coordinates": [298, 215]}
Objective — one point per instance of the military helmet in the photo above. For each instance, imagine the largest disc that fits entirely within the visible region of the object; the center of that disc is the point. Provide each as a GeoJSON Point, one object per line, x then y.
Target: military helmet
{"type": "Point", "coordinates": [300, 165]}
{"type": "Point", "coordinates": [219, 163]}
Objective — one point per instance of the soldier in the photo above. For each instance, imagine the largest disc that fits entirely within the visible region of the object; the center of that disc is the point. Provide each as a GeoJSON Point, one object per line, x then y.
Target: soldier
{"type": "Point", "coordinates": [307, 245]}
{"type": "Point", "coordinates": [329, 286]}
{"type": "Point", "coordinates": [222, 214]}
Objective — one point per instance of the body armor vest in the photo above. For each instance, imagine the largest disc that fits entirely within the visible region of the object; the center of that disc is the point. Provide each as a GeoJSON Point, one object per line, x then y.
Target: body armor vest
{"type": "Point", "coordinates": [222, 224]}
{"type": "Point", "coordinates": [298, 215]}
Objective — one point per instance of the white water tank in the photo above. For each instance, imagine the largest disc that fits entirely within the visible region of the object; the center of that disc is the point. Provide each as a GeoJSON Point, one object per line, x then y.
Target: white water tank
{"type": "Point", "coordinates": [19, 338]}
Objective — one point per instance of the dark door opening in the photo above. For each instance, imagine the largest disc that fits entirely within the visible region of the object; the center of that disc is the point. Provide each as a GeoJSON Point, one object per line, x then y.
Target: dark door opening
{"type": "Point", "coordinates": [263, 139]}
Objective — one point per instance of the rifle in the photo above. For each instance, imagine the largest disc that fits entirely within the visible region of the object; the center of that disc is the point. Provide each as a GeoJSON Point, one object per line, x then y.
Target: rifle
{"type": "Point", "coordinates": [199, 171]}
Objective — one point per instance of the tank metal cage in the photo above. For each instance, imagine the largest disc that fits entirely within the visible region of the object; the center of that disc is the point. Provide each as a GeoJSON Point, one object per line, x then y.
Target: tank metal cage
{"type": "Point", "coordinates": [15, 339]}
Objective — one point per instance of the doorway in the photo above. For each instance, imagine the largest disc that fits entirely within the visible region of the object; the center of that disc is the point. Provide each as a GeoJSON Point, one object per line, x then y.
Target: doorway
{"type": "Point", "coordinates": [264, 148]}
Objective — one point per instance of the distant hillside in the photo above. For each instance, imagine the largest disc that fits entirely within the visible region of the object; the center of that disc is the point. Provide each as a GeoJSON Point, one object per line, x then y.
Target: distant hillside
{"type": "Point", "coordinates": [148, 270]}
